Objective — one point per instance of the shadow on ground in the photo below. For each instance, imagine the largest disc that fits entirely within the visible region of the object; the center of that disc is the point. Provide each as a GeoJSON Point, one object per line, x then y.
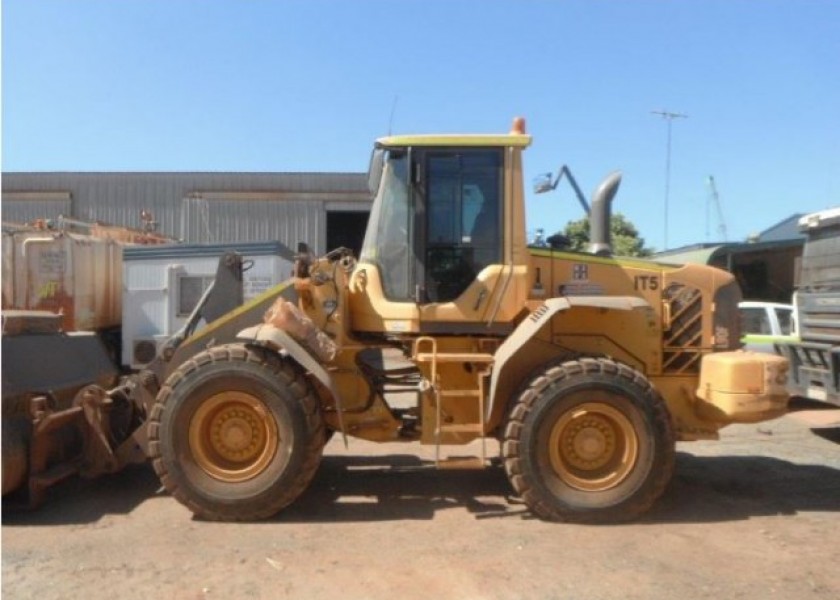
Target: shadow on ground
{"type": "Point", "coordinates": [730, 488]}
{"type": "Point", "coordinates": [399, 487]}
{"type": "Point", "coordinates": [831, 434]}
{"type": "Point", "coordinates": [404, 487]}
{"type": "Point", "coordinates": [87, 500]}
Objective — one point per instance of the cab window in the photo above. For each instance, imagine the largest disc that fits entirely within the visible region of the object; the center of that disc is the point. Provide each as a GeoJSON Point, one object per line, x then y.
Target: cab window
{"type": "Point", "coordinates": [464, 214]}
{"type": "Point", "coordinates": [388, 239]}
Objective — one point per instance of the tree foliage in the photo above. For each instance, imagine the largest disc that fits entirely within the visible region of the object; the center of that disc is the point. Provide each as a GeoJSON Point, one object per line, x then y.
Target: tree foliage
{"type": "Point", "coordinates": [625, 237]}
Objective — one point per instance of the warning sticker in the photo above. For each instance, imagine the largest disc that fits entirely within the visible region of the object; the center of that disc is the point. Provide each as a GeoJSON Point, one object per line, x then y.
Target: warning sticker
{"type": "Point", "coordinates": [580, 284]}
{"type": "Point", "coordinates": [580, 288]}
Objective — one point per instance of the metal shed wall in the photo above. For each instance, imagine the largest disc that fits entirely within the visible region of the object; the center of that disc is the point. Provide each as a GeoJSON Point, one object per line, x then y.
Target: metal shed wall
{"type": "Point", "coordinates": [216, 217]}
{"type": "Point", "coordinates": [25, 207]}
{"type": "Point", "coordinates": [118, 198]}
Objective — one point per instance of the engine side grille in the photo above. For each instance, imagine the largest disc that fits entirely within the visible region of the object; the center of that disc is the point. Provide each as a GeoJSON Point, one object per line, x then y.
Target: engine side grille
{"type": "Point", "coordinates": [682, 341]}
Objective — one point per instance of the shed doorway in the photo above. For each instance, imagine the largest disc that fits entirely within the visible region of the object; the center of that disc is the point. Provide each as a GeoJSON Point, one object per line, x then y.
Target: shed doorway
{"type": "Point", "coordinates": [346, 228]}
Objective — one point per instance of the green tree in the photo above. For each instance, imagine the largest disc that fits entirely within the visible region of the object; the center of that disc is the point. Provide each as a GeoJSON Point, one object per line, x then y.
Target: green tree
{"type": "Point", "coordinates": [625, 236]}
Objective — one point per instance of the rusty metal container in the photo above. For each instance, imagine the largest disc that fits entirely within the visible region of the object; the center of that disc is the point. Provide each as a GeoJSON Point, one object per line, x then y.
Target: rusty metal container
{"type": "Point", "coordinates": [6, 276]}
{"type": "Point", "coordinates": [76, 275]}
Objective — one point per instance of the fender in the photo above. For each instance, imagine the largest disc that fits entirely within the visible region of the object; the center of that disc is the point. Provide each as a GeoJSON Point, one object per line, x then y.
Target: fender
{"type": "Point", "coordinates": [538, 319]}
{"type": "Point", "coordinates": [280, 341]}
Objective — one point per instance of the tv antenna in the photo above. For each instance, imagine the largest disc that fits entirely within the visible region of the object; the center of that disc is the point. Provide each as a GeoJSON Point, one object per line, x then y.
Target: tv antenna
{"type": "Point", "coordinates": [393, 110]}
{"type": "Point", "coordinates": [669, 118]}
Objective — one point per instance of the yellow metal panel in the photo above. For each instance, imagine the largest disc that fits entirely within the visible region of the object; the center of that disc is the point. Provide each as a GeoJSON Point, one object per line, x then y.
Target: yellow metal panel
{"type": "Point", "coordinates": [743, 387]}
{"type": "Point", "coordinates": [517, 140]}
{"type": "Point", "coordinates": [638, 263]}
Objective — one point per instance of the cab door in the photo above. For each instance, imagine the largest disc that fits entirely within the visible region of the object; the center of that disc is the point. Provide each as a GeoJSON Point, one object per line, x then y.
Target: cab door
{"type": "Point", "coordinates": [459, 193]}
{"type": "Point", "coordinates": [459, 220]}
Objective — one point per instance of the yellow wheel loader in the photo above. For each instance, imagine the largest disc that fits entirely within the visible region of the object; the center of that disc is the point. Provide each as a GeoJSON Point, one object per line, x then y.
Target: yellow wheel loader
{"type": "Point", "coordinates": [447, 329]}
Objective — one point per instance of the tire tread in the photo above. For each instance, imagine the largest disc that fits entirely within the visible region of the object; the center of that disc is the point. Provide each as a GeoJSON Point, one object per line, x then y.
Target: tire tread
{"type": "Point", "coordinates": [290, 377]}
{"type": "Point", "coordinates": [524, 482]}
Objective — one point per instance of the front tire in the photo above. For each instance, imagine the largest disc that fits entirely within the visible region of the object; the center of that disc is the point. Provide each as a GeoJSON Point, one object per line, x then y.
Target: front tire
{"type": "Point", "coordinates": [591, 441]}
{"type": "Point", "coordinates": [236, 433]}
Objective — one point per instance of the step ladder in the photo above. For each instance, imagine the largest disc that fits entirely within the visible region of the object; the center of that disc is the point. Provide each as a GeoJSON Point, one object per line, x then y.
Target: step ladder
{"type": "Point", "coordinates": [425, 351]}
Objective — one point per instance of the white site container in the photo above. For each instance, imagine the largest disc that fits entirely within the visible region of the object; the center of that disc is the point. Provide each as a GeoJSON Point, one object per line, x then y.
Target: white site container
{"type": "Point", "coordinates": [162, 284]}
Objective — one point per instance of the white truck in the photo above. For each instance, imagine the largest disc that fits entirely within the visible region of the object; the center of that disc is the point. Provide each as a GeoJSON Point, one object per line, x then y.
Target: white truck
{"type": "Point", "coordinates": [764, 324]}
{"type": "Point", "coordinates": [815, 356]}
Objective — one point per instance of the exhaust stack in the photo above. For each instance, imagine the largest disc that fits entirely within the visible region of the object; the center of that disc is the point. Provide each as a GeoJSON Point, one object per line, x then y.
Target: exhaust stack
{"type": "Point", "coordinates": [599, 218]}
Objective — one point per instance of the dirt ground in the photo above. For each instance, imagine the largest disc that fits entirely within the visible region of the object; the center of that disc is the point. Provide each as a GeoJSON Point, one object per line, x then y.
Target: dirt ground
{"type": "Point", "coordinates": [755, 515]}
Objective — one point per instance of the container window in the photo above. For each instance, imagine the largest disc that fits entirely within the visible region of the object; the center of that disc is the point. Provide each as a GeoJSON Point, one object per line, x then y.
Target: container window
{"type": "Point", "coordinates": [190, 289]}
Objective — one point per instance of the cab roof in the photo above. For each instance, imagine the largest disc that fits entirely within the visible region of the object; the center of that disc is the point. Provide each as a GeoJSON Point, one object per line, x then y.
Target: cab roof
{"type": "Point", "coordinates": [456, 140]}
{"type": "Point", "coordinates": [516, 138]}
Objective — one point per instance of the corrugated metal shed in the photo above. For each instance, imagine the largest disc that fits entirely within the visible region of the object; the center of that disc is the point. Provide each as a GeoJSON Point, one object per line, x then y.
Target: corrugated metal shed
{"type": "Point", "coordinates": [214, 217]}
{"type": "Point", "coordinates": [786, 229]}
{"type": "Point", "coordinates": [701, 254]}
{"type": "Point", "coordinates": [197, 207]}
{"type": "Point", "coordinates": [26, 207]}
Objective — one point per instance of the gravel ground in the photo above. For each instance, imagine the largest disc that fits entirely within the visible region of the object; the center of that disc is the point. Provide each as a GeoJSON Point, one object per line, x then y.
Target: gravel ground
{"type": "Point", "coordinates": [754, 515]}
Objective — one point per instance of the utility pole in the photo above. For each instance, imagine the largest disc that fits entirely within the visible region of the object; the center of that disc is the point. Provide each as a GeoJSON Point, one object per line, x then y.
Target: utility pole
{"type": "Point", "coordinates": [669, 118]}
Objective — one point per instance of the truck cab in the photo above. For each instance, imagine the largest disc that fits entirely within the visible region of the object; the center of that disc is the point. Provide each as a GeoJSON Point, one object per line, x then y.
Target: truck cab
{"type": "Point", "coordinates": [764, 324]}
{"type": "Point", "coordinates": [815, 355]}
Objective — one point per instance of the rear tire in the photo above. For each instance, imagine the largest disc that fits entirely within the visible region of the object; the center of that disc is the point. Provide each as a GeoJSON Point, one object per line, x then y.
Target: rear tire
{"type": "Point", "coordinates": [591, 441]}
{"type": "Point", "coordinates": [236, 433]}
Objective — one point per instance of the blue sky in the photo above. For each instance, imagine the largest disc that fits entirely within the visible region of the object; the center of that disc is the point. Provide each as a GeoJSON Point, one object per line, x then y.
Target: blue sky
{"type": "Point", "coordinates": [156, 85]}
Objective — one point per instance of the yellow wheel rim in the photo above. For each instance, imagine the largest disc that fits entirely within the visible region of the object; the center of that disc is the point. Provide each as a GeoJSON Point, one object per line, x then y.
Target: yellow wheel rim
{"type": "Point", "coordinates": [233, 437]}
{"type": "Point", "coordinates": [593, 447]}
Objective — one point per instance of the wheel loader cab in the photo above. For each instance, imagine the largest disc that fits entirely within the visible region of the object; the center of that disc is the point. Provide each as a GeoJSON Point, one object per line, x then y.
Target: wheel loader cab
{"type": "Point", "coordinates": [445, 248]}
